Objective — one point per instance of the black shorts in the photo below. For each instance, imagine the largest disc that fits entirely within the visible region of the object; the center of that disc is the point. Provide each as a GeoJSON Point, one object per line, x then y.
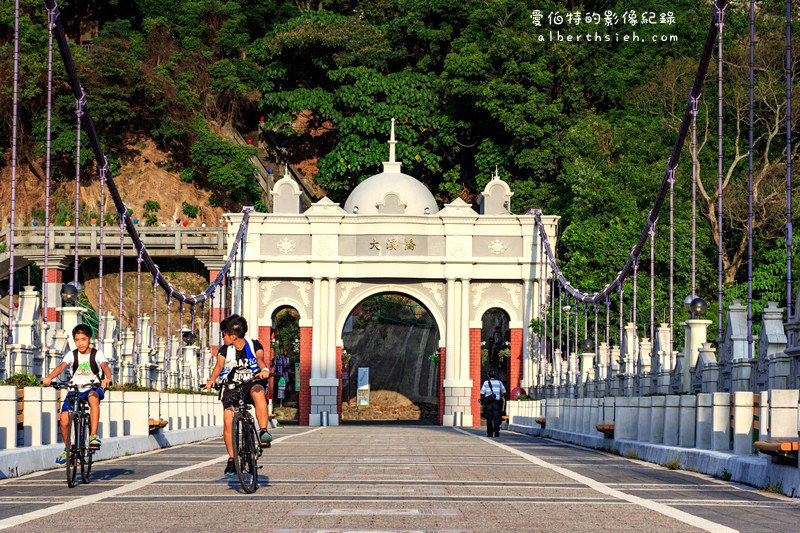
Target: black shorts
{"type": "Point", "coordinates": [228, 395]}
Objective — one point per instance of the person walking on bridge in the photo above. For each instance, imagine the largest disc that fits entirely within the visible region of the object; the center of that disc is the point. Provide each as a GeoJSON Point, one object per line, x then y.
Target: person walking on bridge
{"type": "Point", "coordinates": [492, 394]}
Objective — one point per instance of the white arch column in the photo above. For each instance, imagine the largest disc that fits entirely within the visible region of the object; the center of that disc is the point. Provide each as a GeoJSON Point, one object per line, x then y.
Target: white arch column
{"type": "Point", "coordinates": [527, 362]}
{"type": "Point", "coordinates": [457, 383]}
{"type": "Point", "coordinates": [323, 383]}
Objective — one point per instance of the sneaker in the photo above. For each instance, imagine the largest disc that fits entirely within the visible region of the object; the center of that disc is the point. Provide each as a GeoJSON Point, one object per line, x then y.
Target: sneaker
{"type": "Point", "coordinates": [230, 470]}
{"type": "Point", "coordinates": [62, 459]}
{"type": "Point", "coordinates": [94, 442]}
{"type": "Point", "coordinates": [266, 438]}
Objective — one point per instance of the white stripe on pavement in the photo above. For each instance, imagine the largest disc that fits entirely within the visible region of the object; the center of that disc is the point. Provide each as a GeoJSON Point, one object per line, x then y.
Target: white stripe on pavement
{"type": "Point", "coordinates": [666, 510]}
{"type": "Point", "coordinates": [130, 487]}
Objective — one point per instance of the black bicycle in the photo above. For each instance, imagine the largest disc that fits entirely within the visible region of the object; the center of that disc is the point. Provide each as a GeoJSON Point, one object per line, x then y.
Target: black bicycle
{"type": "Point", "coordinates": [79, 453]}
{"type": "Point", "coordinates": [246, 448]}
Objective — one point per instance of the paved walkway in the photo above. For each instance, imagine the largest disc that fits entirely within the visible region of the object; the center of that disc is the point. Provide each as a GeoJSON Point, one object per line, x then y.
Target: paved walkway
{"type": "Point", "coordinates": [392, 478]}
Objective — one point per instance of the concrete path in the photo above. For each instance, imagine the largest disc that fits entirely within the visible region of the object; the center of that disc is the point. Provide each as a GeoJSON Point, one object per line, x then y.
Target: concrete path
{"type": "Point", "coordinates": [391, 478]}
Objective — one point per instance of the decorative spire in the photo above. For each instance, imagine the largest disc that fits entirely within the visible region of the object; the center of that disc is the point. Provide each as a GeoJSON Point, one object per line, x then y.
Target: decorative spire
{"type": "Point", "coordinates": [286, 171]}
{"type": "Point", "coordinates": [496, 173]}
{"type": "Point", "coordinates": [392, 165]}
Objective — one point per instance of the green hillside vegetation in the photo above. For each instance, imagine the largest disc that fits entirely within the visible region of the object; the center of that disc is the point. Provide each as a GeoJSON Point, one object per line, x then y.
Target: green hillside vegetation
{"type": "Point", "coordinates": [581, 130]}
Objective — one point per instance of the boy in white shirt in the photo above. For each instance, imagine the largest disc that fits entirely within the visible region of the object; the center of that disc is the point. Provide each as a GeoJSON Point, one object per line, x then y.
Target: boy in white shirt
{"type": "Point", "coordinates": [87, 364]}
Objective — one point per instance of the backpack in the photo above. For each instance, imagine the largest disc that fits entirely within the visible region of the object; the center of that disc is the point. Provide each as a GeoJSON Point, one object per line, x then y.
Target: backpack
{"type": "Point", "coordinates": [92, 362]}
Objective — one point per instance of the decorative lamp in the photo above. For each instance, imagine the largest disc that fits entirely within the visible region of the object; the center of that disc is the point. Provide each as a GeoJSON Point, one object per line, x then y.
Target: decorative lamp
{"type": "Point", "coordinates": [699, 307]}
{"type": "Point", "coordinates": [189, 338]}
{"type": "Point", "coordinates": [69, 294]}
{"type": "Point", "coordinates": [587, 345]}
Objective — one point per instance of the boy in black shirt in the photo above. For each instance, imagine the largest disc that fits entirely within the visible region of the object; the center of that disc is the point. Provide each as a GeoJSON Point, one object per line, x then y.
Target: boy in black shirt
{"type": "Point", "coordinates": [241, 351]}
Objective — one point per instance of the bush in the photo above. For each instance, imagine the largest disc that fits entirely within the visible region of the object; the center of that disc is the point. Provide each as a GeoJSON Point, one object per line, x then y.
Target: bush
{"type": "Point", "coordinates": [22, 380]}
{"type": "Point", "coordinates": [152, 206]}
{"type": "Point", "coordinates": [190, 210]}
{"type": "Point", "coordinates": [726, 476]}
{"type": "Point", "coordinates": [675, 464]}
{"type": "Point", "coordinates": [178, 390]}
{"type": "Point", "coordinates": [130, 387]}
{"type": "Point", "coordinates": [631, 454]}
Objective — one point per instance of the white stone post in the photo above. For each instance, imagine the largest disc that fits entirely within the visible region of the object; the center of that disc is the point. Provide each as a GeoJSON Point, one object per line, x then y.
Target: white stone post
{"type": "Point", "coordinates": [703, 430]}
{"type": "Point", "coordinates": [721, 421]}
{"type": "Point", "coordinates": [696, 333]}
{"type": "Point", "coordinates": [743, 423]}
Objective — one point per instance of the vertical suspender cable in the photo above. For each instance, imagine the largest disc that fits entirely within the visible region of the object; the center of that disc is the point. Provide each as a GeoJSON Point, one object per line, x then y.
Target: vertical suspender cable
{"type": "Point", "coordinates": [720, 24]}
{"type": "Point", "coordinates": [45, 279]}
{"type": "Point", "coordinates": [101, 244]}
{"type": "Point", "coordinates": [13, 176]}
{"type": "Point", "coordinates": [79, 115]}
{"type": "Point", "coordinates": [788, 160]}
{"type": "Point", "coordinates": [553, 322]}
{"type": "Point", "coordinates": [693, 101]}
{"type": "Point", "coordinates": [138, 339]}
{"type": "Point", "coordinates": [121, 270]}
{"type": "Point", "coordinates": [635, 322]}
{"type": "Point", "coordinates": [671, 265]}
{"type": "Point", "coordinates": [750, 191]}
{"type": "Point", "coordinates": [653, 285]}
{"type": "Point", "coordinates": [621, 316]}
{"type": "Point", "coordinates": [167, 363]}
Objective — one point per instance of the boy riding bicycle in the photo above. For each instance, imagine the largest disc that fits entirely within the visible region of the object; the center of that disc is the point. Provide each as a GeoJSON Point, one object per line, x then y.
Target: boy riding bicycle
{"type": "Point", "coordinates": [87, 364]}
{"type": "Point", "coordinates": [240, 350]}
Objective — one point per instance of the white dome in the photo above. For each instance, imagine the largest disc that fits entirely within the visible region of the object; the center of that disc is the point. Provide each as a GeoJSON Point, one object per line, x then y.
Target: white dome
{"type": "Point", "coordinates": [391, 192]}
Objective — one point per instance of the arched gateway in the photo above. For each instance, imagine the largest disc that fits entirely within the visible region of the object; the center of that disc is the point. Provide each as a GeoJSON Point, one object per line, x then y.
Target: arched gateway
{"type": "Point", "coordinates": [392, 237]}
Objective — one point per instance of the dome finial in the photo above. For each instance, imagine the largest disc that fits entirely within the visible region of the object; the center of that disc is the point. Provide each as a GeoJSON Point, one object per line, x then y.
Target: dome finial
{"type": "Point", "coordinates": [286, 171]}
{"type": "Point", "coordinates": [392, 142]}
{"type": "Point", "coordinates": [392, 165]}
{"type": "Point", "coordinates": [496, 173]}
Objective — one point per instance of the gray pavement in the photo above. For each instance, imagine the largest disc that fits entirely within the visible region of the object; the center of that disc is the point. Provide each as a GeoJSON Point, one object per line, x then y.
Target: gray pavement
{"type": "Point", "coordinates": [391, 478]}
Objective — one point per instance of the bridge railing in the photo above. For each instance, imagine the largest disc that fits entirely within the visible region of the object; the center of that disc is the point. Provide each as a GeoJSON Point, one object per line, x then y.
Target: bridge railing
{"type": "Point", "coordinates": [62, 238]}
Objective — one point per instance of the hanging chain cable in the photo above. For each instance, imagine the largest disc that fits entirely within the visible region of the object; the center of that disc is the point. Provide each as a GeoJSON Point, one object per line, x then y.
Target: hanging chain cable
{"type": "Point", "coordinates": [14, 128]}
{"type": "Point", "coordinates": [666, 184]}
{"type": "Point", "coordinates": [720, 26]}
{"type": "Point", "coordinates": [48, 134]}
{"type": "Point", "coordinates": [102, 162]}
{"type": "Point", "coordinates": [750, 190]}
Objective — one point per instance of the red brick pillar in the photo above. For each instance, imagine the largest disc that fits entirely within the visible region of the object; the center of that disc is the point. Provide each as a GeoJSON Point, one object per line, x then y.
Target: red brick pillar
{"type": "Point", "coordinates": [339, 378]}
{"type": "Point", "coordinates": [475, 373]}
{"type": "Point", "coordinates": [442, 355]}
{"type": "Point", "coordinates": [263, 338]}
{"type": "Point", "coordinates": [55, 278]}
{"type": "Point", "coordinates": [215, 313]}
{"type": "Point", "coordinates": [515, 361]}
{"type": "Point", "coordinates": [305, 374]}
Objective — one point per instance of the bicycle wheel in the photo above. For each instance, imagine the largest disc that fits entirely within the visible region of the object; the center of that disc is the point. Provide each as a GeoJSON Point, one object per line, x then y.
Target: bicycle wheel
{"type": "Point", "coordinates": [86, 455]}
{"type": "Point", "coordinates": [73, 434]}
{"type": "Point", "coordinates": [243, 453]}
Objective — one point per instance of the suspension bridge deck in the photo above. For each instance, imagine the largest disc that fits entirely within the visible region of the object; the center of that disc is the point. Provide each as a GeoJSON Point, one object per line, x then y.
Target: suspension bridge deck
{"type": "Point", "coordinates": [170, 241]}
{"type": "Point", "coordinates": [393, 478]}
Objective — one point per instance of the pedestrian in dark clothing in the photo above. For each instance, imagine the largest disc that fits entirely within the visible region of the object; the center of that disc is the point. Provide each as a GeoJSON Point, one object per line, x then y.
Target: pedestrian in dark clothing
{"type": "Point", "coordinates": [492, 393]}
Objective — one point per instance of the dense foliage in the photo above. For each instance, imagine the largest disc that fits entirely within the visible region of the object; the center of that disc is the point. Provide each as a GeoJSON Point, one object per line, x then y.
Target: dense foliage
{"type": "Point", "coordinates": [579, 129]}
